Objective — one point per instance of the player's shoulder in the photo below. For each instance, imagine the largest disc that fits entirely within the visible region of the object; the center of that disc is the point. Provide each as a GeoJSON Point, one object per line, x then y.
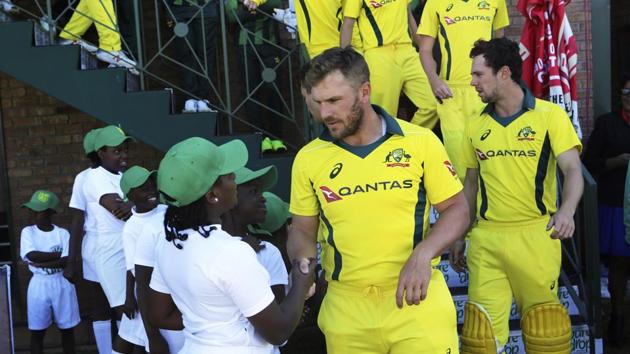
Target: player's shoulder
{"type": "Point", "coordinates": [414, 134]}
{"type": "Point", "coordinates": [314, 149]}
{"type": "Point", "coordinates": [548, 108]}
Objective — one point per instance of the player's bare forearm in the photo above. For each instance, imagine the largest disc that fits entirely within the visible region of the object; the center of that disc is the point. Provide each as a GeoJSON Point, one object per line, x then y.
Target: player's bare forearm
{"type": "Point", "coordinates": [413, 27]}
{"type": "Point", "coordinates": [345, 38]}
{"type": "Point", "coordinates": [301, 243]}
{"type": "Point", "coordinates": [573, 185]}
{"type": "Point", "coordinates": [426, 57]}
{"type": "Point", "coordinates": [451, 225]}
{"type": "Point", "coordinates": [471, 185]}
{"type": "Point", "coordinates": [43, 257]}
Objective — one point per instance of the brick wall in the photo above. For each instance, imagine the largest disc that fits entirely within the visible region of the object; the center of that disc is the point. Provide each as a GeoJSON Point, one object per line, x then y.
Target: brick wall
{"type": "Point", "coordinates": [43, 144]}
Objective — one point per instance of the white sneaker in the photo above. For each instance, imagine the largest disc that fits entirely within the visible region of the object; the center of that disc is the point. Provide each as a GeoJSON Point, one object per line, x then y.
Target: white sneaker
{"type": "Point", "coordinates": [85, 45]}
{"type": "Point", "coordinates": [45, 25]}
{"type": "Point", "coordinates": [117, 58]}
{"type": "Point", "coordinates": [190, 106]}
{"type": "Point", "coordinates": [202, 106]}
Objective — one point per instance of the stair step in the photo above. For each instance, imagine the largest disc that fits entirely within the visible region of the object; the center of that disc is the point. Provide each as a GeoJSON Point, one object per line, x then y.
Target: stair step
{"type": "Point", "coordinates": [16, 35]}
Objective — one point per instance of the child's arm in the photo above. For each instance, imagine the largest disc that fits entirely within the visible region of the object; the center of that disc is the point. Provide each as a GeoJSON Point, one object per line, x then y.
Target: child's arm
{"type": "Point", "coordinates": [57, 263]}
{"type": "Point", "coordinates": [43, 257]}
{"type": "Point", "coordinates": [131, 306]}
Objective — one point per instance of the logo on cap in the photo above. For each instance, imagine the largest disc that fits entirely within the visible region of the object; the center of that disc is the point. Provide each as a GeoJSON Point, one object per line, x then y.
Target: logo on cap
{"type": "Point", "coordinates": [43, 197]}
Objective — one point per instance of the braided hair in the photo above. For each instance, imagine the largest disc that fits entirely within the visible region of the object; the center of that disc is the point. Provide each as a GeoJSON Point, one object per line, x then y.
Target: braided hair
{"type": "Point", "coordinates": [191, 216]}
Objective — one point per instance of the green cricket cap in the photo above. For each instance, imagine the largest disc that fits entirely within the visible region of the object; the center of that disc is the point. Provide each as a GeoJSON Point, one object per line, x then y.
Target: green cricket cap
{"type": "Point", "coordinates": [88, 141]}
{"type": "Point", "coordinates": [110, 135]}
{"type": "Point", "coordinates": [42, 200]}
{"type": "Point", "coordinates": [134, 177]}
{"type": "Point", "coordinates": [268, 176]}
{"type": "Point", "coordinates": [277, 212]}
{"type": "Point", "coordinates": [190, 167]}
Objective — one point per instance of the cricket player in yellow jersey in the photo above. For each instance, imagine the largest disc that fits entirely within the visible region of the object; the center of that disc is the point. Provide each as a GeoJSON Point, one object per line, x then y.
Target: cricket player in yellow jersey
{"type": "Point", "coordinates": [457, 24]}
{"type": "Point", "coordinates": [385, 27]}
{"type": "Point", "coordinates": [319, 24]}
{"type": "Point", "coordinates": [369, 180]}
{"type": "Point", "coordinates": [511, 150]}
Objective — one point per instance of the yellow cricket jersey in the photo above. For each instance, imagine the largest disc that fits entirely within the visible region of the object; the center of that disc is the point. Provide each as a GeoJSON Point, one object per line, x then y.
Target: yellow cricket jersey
{"type": "Point", "coordinates": [372, 201]}
{"type": "Point", "coordinates": [516, 158]}
{"type": "Point", "coordinates": [319, 25]}
{"type": "Point", "coordinates": [381, 22]}
{"type": "Point", "coordinates": [460, 23]}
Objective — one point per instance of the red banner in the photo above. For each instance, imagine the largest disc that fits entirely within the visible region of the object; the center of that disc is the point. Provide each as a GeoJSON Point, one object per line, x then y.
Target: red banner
{"type": "Point", "coordinates": [549, 54]}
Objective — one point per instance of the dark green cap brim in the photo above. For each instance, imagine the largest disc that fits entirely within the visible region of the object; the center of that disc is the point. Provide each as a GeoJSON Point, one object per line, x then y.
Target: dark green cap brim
{"type": "Point", "coordinates": [268, 176]}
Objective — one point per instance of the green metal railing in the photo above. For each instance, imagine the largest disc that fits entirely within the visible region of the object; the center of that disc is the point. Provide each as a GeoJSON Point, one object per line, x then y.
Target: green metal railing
{"type": "Point", "coordinates": [153, 33]}
{"type": "Point", "coordinates": [581, 261]}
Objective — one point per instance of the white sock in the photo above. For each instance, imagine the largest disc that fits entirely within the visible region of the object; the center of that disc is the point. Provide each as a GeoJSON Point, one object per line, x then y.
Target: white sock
{"type": "Point", "coordinates": [115, 352]}
{"type": "Point", "coordinates": [103, 336]}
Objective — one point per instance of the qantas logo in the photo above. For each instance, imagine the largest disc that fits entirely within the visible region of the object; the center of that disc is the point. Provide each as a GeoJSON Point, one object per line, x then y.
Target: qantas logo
{"type": "Point", "coordinates": [376, 4]}
{"type": "Point", "coordinates": [454, 20]}
{"type": "Point", "coordinates": [499, 153]}
{"type": "Point", "coordinates": [450, 167]}
{"type": "Point", "coordinates": [345, 191]}
{"type": "Point", "coordinates": [329, 195]}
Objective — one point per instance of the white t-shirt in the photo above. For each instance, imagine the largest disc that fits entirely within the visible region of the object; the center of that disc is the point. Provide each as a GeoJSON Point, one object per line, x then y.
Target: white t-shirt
{"type": "Point", "coordinates": [77, 201]}
{"type": "Point", "coordinates": [34, 239]}
{"type": "Point", "coordinates": [133, 229]}
{"type": "Point", "coordinates": [97, 183]}
{"type": "Point", "coordinates": [148, 239]}
{"type": "Point", "coordinates": [271, 258]}
{"type": "Point", "coordinates": [216, 282]}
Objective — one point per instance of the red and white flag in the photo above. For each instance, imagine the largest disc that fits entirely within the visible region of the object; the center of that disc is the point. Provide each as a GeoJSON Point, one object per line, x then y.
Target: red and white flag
{"type": "Point", "coordinates": [549, 54]}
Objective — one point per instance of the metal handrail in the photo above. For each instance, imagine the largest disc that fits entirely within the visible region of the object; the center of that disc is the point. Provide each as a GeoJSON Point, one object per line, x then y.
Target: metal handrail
{"type": "Point", "coordinates": [153, 41]}
{"type": "Point", "coordinates": [582, 255]}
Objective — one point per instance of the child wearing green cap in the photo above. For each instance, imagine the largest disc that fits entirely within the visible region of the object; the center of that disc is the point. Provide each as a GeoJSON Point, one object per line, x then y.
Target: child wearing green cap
{"type": "Point", "coordinates": [139, 186]}
{"type": "Point", "coordinates": [104, 202]}
{"type": "Point", "coordinates": [81, 256]}
{"type": "Point", "coordinates": [205, 281]}
{"type": "Point", "coordinates": [250, 209]}
{"type": "Point", "coordinates": [44, 246]}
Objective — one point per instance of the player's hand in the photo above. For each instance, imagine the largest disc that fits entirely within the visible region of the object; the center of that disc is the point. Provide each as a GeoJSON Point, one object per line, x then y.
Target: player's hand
{"type": "Point", "coordinates": [456, 256]}
{"type": "Point", "coordinates": [562, 224]}
{"type": "Point", "coordinates": [303, 274]}
{"type": "Point", "coordinates": [413, 280]}
{"type": "Point", "coordinates": [441, 89]}
{"type": "Point", "coordinates": [158, 344]}
{"type": "Point", "coordinates": [123, 211]}
{"type": "Point", "coordinates": [130, 307]}
{"type": "Point", "coordinates": [250, 5]}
